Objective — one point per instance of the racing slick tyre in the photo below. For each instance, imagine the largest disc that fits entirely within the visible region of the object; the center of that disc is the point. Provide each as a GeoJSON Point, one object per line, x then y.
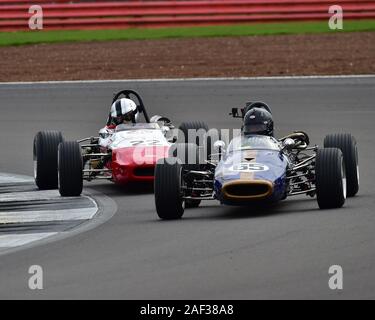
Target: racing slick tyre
{"type": "Point", "coordinates": [192, 203]}
{"type": "Point", "coordinates": [196, 125]}
{"type": "Point", "coordinates": [167, 187]}
{"type": "Point", "coordinates": [188, 153]}
{"type": "Point", "coordinates": [70, 169]}
{"type": "Point", "coordinates": [348, 146]}
{"type": "Point", "coordinates": [330, 178]}
{"type": "Point", "coordinates": [45, 158]}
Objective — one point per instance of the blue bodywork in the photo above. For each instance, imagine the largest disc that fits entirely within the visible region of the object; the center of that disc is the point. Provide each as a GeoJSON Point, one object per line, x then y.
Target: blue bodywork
{"type": "Point", "coordinates": [252, 160]}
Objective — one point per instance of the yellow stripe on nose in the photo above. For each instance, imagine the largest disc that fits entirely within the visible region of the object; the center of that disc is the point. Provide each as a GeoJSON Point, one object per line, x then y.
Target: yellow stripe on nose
{"type": "Point", "coordinates": [247, 175]}
{"type": "Point", "coordinates": [250, 154]}
{"type": "Point", "coordinates": [247, 154]}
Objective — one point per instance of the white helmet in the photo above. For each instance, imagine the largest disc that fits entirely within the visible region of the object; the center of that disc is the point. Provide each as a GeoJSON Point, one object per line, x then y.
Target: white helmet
{"type": "Point", "coordinates": [124, 110]}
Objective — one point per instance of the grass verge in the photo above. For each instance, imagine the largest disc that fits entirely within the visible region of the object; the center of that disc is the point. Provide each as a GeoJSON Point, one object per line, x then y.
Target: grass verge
{"type": "Point", "coordinates": [32, 37]}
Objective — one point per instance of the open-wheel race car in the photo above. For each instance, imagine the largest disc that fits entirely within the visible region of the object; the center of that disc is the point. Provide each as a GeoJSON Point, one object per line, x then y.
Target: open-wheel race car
{"type": "Point", "coordinates": [122, 153]}
{"type": "Point", "coordinates": [256, 167]}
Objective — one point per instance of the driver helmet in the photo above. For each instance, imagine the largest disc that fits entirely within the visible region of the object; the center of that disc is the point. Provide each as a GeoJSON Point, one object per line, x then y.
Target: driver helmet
{"type": "Point", "coordinates": [258, 121]}
{"type": "Point", "coordinates": [124, 111]}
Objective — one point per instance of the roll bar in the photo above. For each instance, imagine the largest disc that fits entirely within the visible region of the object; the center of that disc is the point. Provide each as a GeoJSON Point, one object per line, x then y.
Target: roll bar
{"type": "Point", "coordinates": [240, 112]}
{"type": "Point", "coordinates": [140, 106]}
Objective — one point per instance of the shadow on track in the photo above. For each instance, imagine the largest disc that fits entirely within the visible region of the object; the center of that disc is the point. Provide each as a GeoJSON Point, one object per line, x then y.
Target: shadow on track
{"type": "Point", "coordinates": [130, 189]}
{"type": "Point", "coordinates": [253, 211]}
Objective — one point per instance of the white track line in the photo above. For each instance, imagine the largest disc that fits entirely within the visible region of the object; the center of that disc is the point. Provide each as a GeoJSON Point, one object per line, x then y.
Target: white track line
{"type": "Point", "coordinates": [192, 79]}
{"type": "Point", "coordinates": [17, 240]}
{"type": "Point", "coordinates": [46, 215]}
{"type": "Point", "coordinates": [33, 195]}
{"type": "Point", "coordinates": [8, 178]}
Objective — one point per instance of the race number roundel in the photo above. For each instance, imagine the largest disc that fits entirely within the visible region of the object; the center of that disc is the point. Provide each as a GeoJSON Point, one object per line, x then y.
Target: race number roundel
{"type": "Point", "coordinates": [249, 167]}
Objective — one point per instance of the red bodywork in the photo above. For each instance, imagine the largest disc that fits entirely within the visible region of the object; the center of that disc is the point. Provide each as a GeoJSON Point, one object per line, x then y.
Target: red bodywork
{"type": "Point", "coordinates": [133, 164]}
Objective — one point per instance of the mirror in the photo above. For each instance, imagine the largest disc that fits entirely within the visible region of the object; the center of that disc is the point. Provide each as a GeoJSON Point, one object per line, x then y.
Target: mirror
{"type": "Point", "coordinates": [165, 130]}
{"type": "Point", "coordinates": [219, 146]}
{"type": "Point", "coordinates": [160, 119]}
{"type": "Point", "coordinates": [288, 144]}
{"type": "Point", "coordinates": [103, 133]}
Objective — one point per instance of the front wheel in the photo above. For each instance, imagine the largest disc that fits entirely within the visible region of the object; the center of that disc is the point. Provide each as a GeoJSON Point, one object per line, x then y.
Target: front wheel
{"type": "Point", "coordinates": [45, 158]}
{"type": "Point", "coordinates": [330, 178]}
{"type": "Point", "coordinates": [167, 187]}
{"type": "Point", "coordinates": [348, 146]}
{"type": "Point", "coordinates": [70, 169]}
{"type": "Point", "coordinates": [192, 203]}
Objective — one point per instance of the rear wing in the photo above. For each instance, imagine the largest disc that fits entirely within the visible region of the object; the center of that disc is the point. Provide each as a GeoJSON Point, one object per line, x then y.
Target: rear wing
{"type": "Point", "coordinates": [237, 113]}
{"type": "Point", "coordinates": [240, 112]}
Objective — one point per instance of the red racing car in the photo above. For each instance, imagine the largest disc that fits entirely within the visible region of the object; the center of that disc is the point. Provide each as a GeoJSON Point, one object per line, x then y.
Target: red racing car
{"type": "Point", "coordinates": [125, 152]}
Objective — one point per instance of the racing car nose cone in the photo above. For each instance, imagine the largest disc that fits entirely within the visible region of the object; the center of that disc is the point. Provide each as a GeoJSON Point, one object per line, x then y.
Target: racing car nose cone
{"type": "Point", "coordinates": [242, 190]}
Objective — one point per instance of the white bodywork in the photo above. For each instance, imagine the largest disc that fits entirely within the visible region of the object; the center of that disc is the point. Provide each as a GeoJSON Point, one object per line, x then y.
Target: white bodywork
{"type": "Point", "coordinates": [126, 136]}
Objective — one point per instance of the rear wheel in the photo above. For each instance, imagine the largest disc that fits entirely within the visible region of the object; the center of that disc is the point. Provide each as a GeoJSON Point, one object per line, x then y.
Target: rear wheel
{"type": "Point", "coordinates": [70, 169]}
{"type": "Point", "coordinates": [45, 158]}
{"type": "Point", "coordinates": [348, 146]}
{"type": "Point", "coordinates": [167, 187]}
{"type": "Point", "coordinates": [200, 137]}
{"type": "Point", "coordinates": [188, 153]}
{"type": "Point", "coordinates": [330, 178]}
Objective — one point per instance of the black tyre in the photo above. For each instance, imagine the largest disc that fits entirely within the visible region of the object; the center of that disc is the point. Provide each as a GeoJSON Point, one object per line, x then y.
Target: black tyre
{"type": "Point", "coordinates": [70, 169]}
{"type": "Point", "coordinates": [201, 141]}
{"type": "Point", "coordinates": [348, 145]}
{"type": "Point", "coordinates": [192, 203]}
{"type": "Point", "coordinates": [167, 188]}
{"type": "Point", "coordinates": [330, 178]}
{"type": "Point", "coordinates": [45, 158]}
{"type": "Point", "coordinates": [188, 153]}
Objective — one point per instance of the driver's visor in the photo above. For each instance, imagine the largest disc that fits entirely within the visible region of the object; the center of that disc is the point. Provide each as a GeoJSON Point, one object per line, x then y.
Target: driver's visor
{"type": "Point", "coordinates": [254, 128]}
{"type": "Point", "coordinates": [126, 117]}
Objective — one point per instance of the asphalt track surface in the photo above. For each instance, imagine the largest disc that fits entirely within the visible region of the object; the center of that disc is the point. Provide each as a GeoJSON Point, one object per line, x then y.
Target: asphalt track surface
{"type": "Point", "coordinates": [213, 252]}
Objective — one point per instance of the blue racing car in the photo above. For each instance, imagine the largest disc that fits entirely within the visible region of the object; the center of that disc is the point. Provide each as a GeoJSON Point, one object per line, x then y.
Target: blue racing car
{"type": "Point", "coordinates": [255, 167]}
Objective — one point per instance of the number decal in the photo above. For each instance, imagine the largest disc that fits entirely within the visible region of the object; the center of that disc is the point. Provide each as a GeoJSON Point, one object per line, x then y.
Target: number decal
{"type": "Point", "coordinates": [145, 142]}
{"type": "Point", "coordinates": [249, 167]}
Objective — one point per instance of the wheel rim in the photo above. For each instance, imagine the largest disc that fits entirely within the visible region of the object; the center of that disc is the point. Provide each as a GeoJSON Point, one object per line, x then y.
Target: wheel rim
{"type": "Point", "coordinates": [35, 158]}
{"type": "Point", "coordinates": [35, 169]}
{"type": "Point", "coordinates": [358, 174]}
{"type": "Point", "coordinates": [180, 185]}
{"type": "Point", "coordinates": [356, 159]}
{"type": "Point", "coordinates": [58, 169]}
{"type": "Point", "coordinates": [343, 174]}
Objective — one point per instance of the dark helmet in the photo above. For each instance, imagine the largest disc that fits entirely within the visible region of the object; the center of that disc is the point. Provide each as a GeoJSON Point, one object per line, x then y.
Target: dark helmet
{"type": "Point", "coordinates": [258, 121]}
